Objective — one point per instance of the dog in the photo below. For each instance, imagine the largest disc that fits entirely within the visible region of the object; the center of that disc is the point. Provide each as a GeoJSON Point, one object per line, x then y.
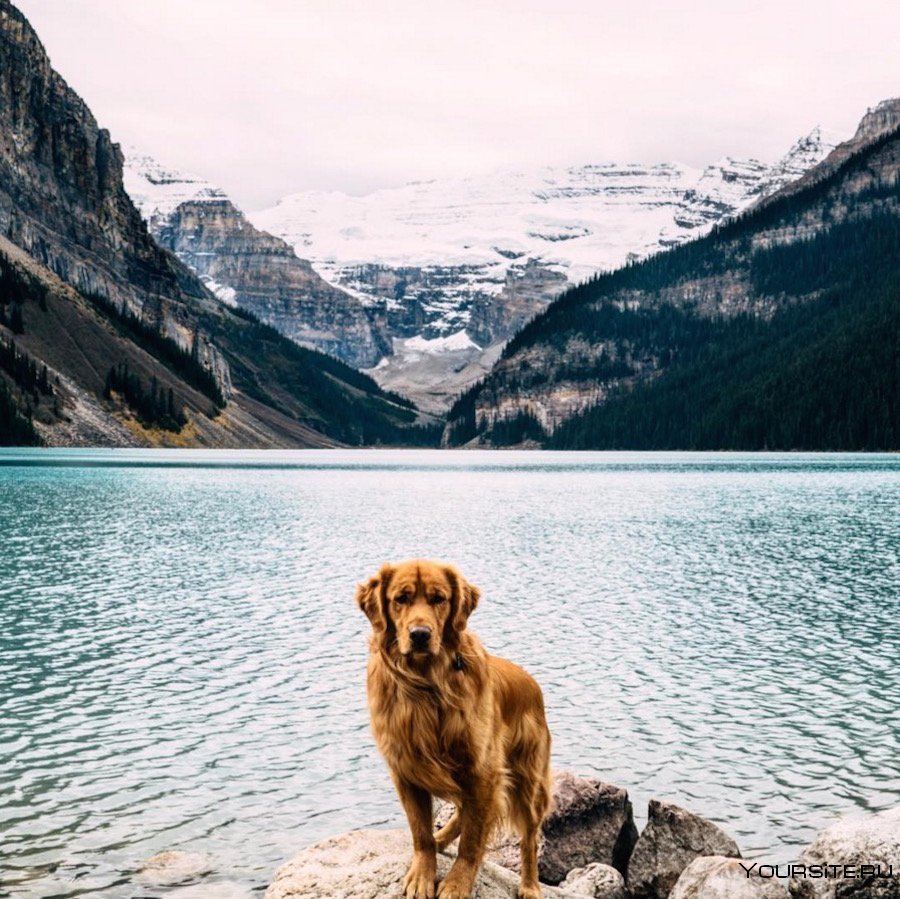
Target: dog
{"type": "Point", "coordinates": [453, 722]}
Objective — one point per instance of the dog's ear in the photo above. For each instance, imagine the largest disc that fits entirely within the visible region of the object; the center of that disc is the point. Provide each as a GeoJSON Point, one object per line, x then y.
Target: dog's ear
{"type": "Point", "coordinates": [371, 595]}
{"type": "Point", "coordinates": [464, 601]}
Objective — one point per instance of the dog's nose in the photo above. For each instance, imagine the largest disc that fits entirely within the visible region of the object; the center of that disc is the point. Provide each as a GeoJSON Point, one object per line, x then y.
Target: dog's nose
{"type": "Point", "coordinates": [420, 636]}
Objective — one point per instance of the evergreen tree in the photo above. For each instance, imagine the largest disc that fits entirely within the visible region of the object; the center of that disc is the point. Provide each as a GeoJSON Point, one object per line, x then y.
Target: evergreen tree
{"type": "Point", "coordinates": [16, 321]}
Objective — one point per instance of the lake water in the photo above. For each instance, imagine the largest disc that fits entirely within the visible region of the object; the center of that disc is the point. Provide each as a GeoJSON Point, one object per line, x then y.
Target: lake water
{"type": "Point", "coordinates": [183, 663]}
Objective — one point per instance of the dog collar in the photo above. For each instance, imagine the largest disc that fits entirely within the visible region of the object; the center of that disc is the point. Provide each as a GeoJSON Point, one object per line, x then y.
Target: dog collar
{"type": "Point", "coordinates": [458, 663]}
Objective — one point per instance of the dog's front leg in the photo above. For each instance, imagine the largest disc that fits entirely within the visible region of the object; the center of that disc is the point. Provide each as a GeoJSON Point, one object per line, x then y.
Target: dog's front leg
{"type": "Point", "coordinates": [420, 879]}
{"type": "Point", "coordinates": [477, 815]}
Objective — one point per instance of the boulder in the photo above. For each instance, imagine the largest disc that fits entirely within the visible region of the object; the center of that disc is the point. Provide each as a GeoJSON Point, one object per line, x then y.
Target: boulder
{"type": "Point", "coordinates": [371, 864]}
{"type": "Point", "coordinates": [597, 880]}
{"type": "Point", "coordinates": [589, 821]}
{"type": "Point", "coordinates": [858, 840]}
{"type": "Point", "coordinates": [718, 877]}
{"type": "Point", "coordinates": [672, 839]}
{"type": "Point", "coordinates": [173, 867]}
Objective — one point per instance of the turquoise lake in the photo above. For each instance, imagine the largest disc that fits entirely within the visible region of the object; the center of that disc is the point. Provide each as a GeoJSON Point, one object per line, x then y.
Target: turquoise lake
{"type": "Point", "coordinates": [183, 663]}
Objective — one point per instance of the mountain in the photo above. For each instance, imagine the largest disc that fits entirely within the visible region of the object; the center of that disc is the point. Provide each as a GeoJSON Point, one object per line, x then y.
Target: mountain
{"type": "Point", "coordinates": [779, 329]}
{"type": "Point", "coordinates": [455, 267]}
{"type": "Point", "coordinates": [105, 337]}
{"type": "Point", "coordinates": [246, 267]}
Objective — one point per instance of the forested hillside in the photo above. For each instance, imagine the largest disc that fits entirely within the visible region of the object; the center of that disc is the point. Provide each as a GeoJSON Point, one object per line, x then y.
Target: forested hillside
{"type": "Point", "coordinates": [818, 375]}
{"type": "Point", "coordinates": [779, 330]}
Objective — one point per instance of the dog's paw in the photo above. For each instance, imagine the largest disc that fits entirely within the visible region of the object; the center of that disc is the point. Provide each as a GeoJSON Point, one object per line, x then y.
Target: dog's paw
{"type": "Point", "coordinates": [458, 884]}
{"type": "Point", "coordinates": [420, 878]}
{"type": "Point", "coordinates": [529, 893]}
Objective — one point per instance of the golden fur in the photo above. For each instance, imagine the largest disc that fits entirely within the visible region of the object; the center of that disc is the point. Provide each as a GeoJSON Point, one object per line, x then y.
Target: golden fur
{"type": "Point", "coordinates": [452, 722]}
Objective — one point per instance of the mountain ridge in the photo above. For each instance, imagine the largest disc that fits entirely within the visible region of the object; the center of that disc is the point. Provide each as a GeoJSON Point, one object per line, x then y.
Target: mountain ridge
{"type": "Point", "coordinates": [482, 255]}
{"type": "Point", "coordinates": [246, 267]}
{"type": "Point", "coordinates": [607, 337]}
{"type": "Point", "coordinates": [136, 341]}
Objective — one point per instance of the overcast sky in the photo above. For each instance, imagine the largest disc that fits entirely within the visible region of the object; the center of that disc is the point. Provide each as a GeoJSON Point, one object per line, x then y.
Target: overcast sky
{"type": "Point", "coordinates": [271, 97]}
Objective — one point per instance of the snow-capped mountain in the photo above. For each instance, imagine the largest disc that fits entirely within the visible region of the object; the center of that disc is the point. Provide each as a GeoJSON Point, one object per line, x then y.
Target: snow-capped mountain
{"type": "Point", "coordinates": [158, 191]}
{"type": "Point", "coordinates": [423, 283]}
{"type": "Point", "coordinates": [473, 258]}
{"type": "Point", "coordinates": [246, 267]}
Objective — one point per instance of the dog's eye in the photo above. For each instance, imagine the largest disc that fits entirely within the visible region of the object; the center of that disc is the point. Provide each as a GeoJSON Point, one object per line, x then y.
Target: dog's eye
{"type": "Point", "coordinates": [437, 599]}
{"type": "Point", "coordinates": [402, 599]}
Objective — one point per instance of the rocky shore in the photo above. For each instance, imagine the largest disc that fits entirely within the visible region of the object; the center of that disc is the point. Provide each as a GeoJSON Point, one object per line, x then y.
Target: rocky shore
{"type": "Point", "coordinates": [590, 847]}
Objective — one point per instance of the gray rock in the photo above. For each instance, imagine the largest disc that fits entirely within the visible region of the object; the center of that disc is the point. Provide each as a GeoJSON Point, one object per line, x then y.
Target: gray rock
{"type": "Point", "coordinates": [216, 241]}
{"type": "Point", "coordinates": [371, 864]}
{"type": "Point", "coordinates": [857, 840]}
{"type": "Point", "coordinates": [718, 877]}
{"type": "Point", "coordinates": [672, 839]}
{"type": "Point", "coordinates": [173, 867]}
{"type": "Point", "coordinates": [590, 821]}
{"type": "Point", "coordinates": [596, 880]}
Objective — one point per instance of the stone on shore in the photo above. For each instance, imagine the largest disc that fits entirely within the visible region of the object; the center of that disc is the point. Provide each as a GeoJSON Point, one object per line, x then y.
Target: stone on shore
{"type": "Point", "coordinates": [371, 864]}
{"type": "Point", "coordinates": [596, 880]}
{"type": "Point", "coordinates": [589, 821]}
{"type": "Point", "coordinates": [173, 867]}
{"type": "Point", "coordinates": [718, 877]}
{"type": "Point", "coordinates": [856, 840]}
{"type": "Point", "coordinates": [672, 839]}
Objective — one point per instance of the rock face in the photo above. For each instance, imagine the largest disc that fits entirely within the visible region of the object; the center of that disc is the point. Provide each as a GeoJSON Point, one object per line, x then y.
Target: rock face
{"type": "Point", "coordinates": [95, 291]}
{"type": "Point", "coordinates": [590, 821]}
{"type": "Point", "coordinates": [219, 889]}
{"type": "Point", "coordinates": [857, 841]}
{"type": "Point", "coordinates": [250, 268]}
{"type": "Point", "coordinates": [672, 839]}
{"type": "Point", "coordinates": [596, 880]}
{"type": "Point", "coordinates": [881, 120]}
{"type": "Point", "coordinates": [371, 864]}
{"type": "Point", "coordinates": [482, 255]}
{"type": "Point", "coordinates": [718, 877]}
{"type": "Point", "coordinates": [62, 200]}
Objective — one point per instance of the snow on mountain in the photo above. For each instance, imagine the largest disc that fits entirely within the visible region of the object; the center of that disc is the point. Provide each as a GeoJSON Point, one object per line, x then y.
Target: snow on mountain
{"type": "Point", "coordinates": [470, 233]}
{"type": "Point", "coordinates": [244, 266]}
{"type": "Point", "coordinates": [447, 270]}
{"type": "Point", "coordinates": [158, 191]}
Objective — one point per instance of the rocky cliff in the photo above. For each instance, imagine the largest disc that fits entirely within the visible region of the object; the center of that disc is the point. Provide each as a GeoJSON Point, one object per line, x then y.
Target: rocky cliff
{"type": "Point", "coordinates": [130, 347]}
{"type": "Point", "coordinates": [878, 121]}
{"type": "Point", "coordinates": [63, 202]}
{"type": "Point", "coordinates": [250, 268]}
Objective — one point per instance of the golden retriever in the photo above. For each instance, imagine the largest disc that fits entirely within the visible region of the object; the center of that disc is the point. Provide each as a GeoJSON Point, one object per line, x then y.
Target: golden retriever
{"type": "Point", "coordinates": [453, 722]}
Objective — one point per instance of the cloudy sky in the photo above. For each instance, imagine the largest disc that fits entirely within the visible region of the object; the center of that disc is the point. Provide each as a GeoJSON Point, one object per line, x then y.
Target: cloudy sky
{"type": "Point", "coordinates": [276, 96]}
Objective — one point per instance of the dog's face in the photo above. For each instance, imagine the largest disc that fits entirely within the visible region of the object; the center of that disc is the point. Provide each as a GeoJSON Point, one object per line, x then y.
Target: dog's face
{"type": "Point", "coordinates": [420, 606]}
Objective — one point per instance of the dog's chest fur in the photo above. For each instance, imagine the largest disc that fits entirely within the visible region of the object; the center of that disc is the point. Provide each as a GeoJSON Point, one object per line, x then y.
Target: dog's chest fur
{"type": "Point", "coordinates": [426, 740]}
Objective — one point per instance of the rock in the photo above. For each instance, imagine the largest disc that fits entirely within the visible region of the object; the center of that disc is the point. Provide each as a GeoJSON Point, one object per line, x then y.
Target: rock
{"type": "Point", "coordinates": [223, 889]}
{"type": "Point", "coordinates": [371, 864]}
{"type": "Point", "coordinates": [857, 840]}
{"type": "Point", "coordinates": [597, 880]}
{"type": "Point", "coordinates": [672, 839]}
{"type": "Point", "coordinates": [718, 877]}
{"type": "Point", "coordinates": [174, 866]}
{"type": "Point", "coordinates": [590, 821]}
